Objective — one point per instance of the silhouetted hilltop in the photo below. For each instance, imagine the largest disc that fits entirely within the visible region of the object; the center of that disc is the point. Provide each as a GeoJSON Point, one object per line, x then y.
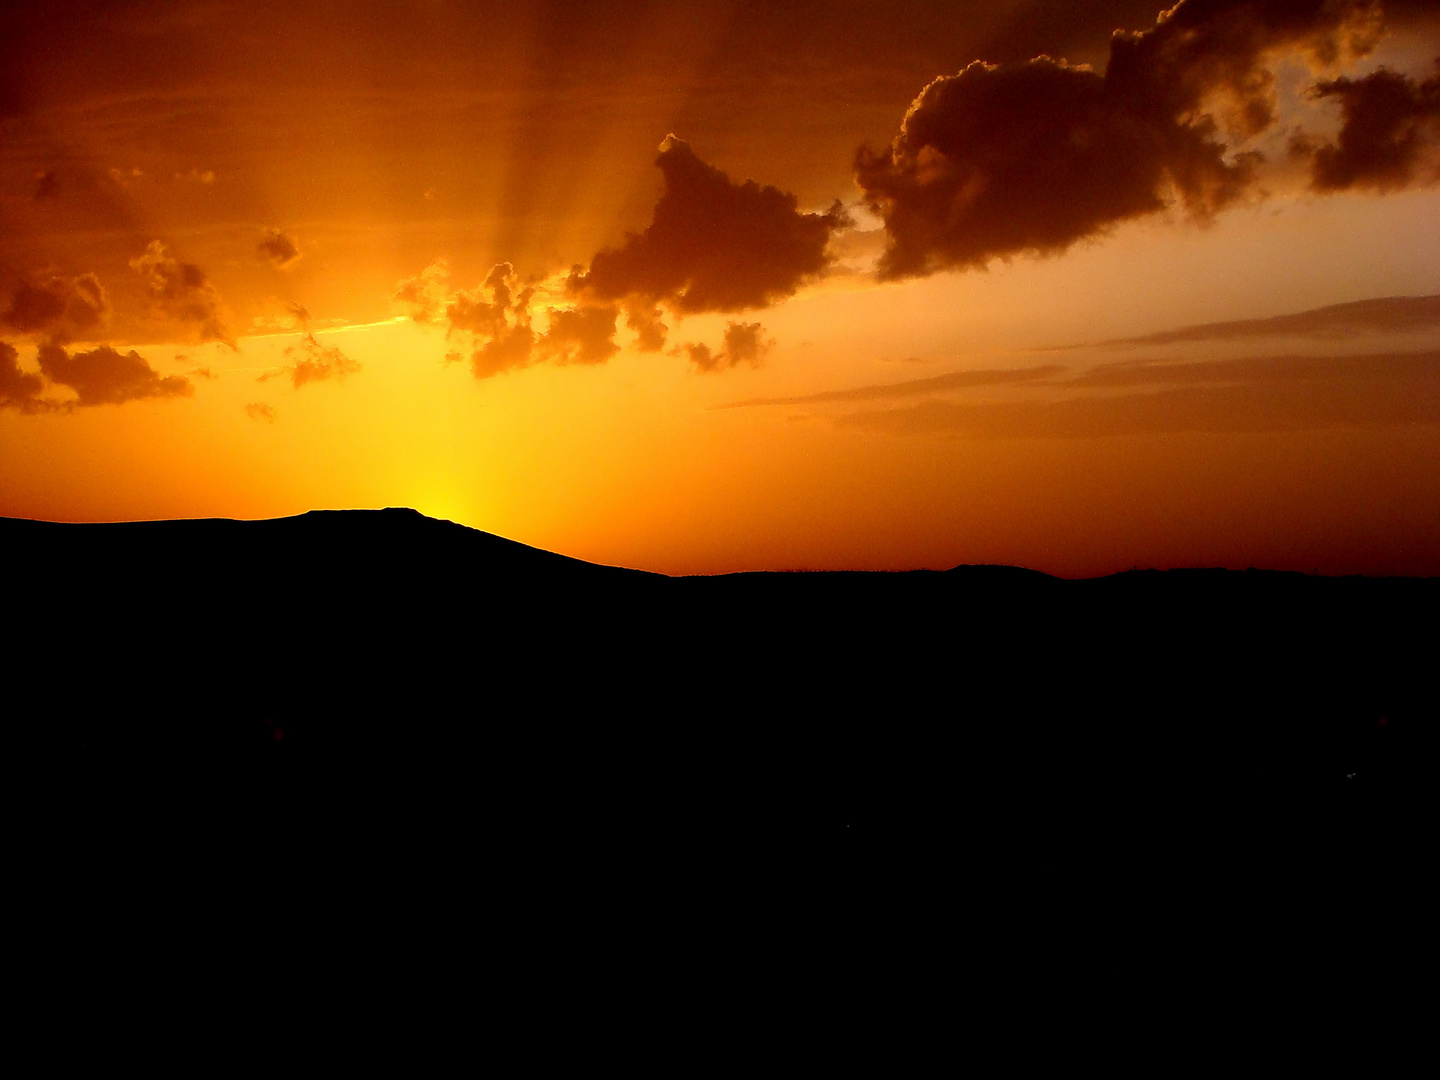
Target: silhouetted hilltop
{"type": "Point", "coordinates": [415, 670]}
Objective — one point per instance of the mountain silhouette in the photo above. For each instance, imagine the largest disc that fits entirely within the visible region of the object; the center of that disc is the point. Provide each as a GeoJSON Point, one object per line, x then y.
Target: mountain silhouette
{"type": "Point", "coordinates": [342, 677]}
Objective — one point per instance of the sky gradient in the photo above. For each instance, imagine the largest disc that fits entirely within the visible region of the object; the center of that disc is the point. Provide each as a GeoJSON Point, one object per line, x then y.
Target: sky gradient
{"type": "Point", "coordinates": [704, 287]}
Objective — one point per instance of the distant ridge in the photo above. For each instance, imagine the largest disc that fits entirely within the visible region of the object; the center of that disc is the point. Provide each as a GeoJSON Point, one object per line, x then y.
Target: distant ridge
{"type": "Point", "coordinates": [388, 525]}
{"type": "Point", "coordinates": [393, 522]}
{"type": "Point", "coordinates": [353, 673]}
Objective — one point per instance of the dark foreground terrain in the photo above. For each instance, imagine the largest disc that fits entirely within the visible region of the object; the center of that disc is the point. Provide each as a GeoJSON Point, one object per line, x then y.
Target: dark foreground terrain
{"type": "Point", "coordinates": [346, 682]}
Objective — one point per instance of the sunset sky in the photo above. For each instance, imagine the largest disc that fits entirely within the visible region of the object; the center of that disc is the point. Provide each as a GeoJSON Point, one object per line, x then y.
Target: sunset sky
{"type": "Point", "coordinates": [704, 287]}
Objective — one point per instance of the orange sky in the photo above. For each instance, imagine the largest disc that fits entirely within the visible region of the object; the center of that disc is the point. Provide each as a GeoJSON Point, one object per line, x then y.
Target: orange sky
{"type": "Point", "coordinates": [670, 286]}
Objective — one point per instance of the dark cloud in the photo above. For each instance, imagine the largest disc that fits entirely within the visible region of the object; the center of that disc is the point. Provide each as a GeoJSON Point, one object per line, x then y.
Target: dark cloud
{"type": "Point", "coordinates": [313, 362]}
{"type": "Point", "coordinates": [496, 316]}
{"type": "Point", "coordinates": [582, 335]}
{"type": "Point", "coordinates": [1034, 156]}
{"type": "Point", "coordinates": [1226, 397]}
{"type": "Point", "coordinates": [1336, 322]}
{"type": "Point", "coordinates": [1389, 136]}
{"type": "Point", "coordinates": [508, 351]}
{"type": "Point", "coordinates": [713, 244]}
{"type": "Point", "coordinates": [700, 355]}
{"type": "Point", "coordinates": [258, 410]}
{"type": "Point", "coordinates": [957, 380]}
{"type": "Point", "coordinates": [181, 292]}
{"type": "Point", "coordinates": [103, 376]}
{"type": "Point", "coordinates": [278, 249]}
{"type": "Point", "coordinates": [999, 160]}
{"type": "Point", "coordinates": [485, 311]}
{"type": "Point", "coordinates": [63, 309]}
{"type": "Point", "coordinates": [744, 344]}
{"type": "Point", "coordinates": [18, 389]}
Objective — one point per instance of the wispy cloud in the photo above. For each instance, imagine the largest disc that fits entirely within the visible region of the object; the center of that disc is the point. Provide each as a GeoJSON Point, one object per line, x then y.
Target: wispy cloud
{"type": "Point", "coordinates": [956, 380]}
{"type": "Point", "coordinates": [1337, 322]}
{"type": "Point", "coordinates": [1254, 395]}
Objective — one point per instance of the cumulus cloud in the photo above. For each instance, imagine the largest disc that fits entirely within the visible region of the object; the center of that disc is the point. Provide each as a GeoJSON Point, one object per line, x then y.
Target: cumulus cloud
{"type": "Point", "coordinates": [278, 249]}
{"type": "Point", "coordinates": [18, 389]}
{"type": "Point", "coordinates": [181, 292]}
{"type": "Point", "coordinates": [1032, 157]}
{"type": "Point", "coordinates": [63, 309]}
{"type": "Point", "coordinates": [258, 410]}
{"type": "Point", "coordinates": [713, 244]}
{"type": "Point", "coordinates": [313, 362]}
{"type": "Point", "coordinates": [1389, 136]}
{"type": "Point", "coordinates": [104, 376]}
